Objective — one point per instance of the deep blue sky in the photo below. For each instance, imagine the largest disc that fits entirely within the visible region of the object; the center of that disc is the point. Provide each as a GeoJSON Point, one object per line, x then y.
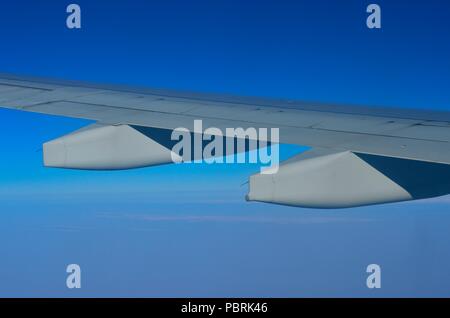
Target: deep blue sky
{"type": "Point", "coordinates": [186, 230]}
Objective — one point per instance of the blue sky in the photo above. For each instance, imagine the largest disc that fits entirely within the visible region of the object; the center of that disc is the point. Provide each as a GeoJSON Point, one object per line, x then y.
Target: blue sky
{"type": "Point", "coordinates": [187, 230]}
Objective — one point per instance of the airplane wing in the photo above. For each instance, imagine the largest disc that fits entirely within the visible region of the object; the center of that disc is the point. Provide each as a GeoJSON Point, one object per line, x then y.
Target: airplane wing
{"type": "Point", "coordinates": [369, 146]}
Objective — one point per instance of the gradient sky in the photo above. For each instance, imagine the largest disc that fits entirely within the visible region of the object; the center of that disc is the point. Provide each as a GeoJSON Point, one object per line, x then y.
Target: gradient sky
{"type": "Point", "coordinates": [187, 230]}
